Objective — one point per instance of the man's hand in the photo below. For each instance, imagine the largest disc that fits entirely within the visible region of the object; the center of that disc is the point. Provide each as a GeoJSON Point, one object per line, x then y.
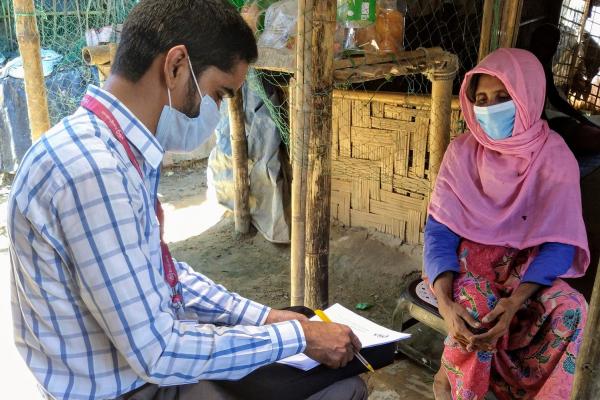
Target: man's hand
{"type": "Point", "coordinates": [456, 318]}
{"type": "Point", "coordinates": [329, 343]}
{"type": "Point", "coordinates": [283, 315]}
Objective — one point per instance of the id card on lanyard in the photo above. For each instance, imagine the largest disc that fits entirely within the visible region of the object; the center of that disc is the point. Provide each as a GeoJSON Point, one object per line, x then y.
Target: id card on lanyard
{"type": "Point", "coordinates": [169, 269]}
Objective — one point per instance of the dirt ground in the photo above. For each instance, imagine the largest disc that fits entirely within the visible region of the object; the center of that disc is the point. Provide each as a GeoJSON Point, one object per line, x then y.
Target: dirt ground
{"type": "Point", "coordinates": [365, 267]}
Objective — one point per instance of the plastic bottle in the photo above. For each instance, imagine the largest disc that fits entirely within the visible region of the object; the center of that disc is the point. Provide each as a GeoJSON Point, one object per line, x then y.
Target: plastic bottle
{"type": "Point", "coordinates": [389, 25]}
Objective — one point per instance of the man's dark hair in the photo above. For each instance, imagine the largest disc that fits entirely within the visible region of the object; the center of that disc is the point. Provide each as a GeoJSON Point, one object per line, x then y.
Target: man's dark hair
{"type": "Point", "coordinates": [213, 32]}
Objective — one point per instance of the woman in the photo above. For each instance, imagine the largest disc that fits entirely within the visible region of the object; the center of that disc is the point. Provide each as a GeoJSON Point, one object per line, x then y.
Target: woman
{"type": "Point", "coordinates": [504, 224]}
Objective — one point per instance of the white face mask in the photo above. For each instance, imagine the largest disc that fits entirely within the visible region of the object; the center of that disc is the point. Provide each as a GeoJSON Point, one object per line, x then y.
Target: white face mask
{"type": "Point", "coordinates": [176, 132]}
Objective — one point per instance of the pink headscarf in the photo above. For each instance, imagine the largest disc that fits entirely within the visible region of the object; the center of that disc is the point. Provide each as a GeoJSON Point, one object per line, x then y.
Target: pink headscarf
{"type": "Point", "coordinates": [520, 192]}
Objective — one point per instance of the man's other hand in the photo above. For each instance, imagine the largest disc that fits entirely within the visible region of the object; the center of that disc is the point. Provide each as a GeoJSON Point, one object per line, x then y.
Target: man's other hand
{"type": "Point", "coordinates": [283, 315]}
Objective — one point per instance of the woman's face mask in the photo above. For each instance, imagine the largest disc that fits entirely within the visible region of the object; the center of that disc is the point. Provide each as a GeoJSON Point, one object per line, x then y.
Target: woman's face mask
{"type": "Point", "coordinates": [497, 121]}
{"type": "Point", "coordinates": [176, 132]}
{"type": "Point", "coordinates": [494, 109]}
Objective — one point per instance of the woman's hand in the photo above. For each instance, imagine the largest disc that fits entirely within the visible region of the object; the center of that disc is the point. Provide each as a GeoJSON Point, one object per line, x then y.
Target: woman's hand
{"type": "Point", "coordinates": [456, 318]}
{"type": "Point", "coordinates": [503, 313]}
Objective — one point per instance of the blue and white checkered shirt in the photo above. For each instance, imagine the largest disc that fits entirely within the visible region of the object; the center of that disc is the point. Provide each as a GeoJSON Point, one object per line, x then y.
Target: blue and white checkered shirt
{"type": "Point", "coordinates": [91, 309]}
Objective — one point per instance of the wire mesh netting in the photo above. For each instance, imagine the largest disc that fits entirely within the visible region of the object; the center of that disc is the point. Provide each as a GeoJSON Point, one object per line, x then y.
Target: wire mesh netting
{"type": "Point", "coordinates": [65, 27]}
{"type": "Point", "coordinates": [383, 157]}
{"type": "Point", "coordinates": [453, 26]}
{"type": "Point", "coordinates": [577, 61]}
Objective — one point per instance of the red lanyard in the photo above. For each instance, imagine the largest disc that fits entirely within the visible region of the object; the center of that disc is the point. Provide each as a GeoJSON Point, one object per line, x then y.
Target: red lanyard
{"type": "Point", "coordinates": [98, 109]}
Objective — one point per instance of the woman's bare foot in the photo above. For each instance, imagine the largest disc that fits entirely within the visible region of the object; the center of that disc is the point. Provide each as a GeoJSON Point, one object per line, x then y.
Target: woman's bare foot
{"type": "Point", "coordinates": [441, 386]}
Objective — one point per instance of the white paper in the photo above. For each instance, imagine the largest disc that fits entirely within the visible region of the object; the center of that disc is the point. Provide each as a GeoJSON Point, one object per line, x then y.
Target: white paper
{"type": "Point", "coordinates": [368, 332]}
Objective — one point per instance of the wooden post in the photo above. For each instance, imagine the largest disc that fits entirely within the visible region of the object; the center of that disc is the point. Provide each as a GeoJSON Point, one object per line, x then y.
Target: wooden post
{"type": "Point", "coordinates": [486, 28]}
{"type": "Point", "coordinates": [511, 18]}
{"type": "Point", "coordinates": [239, 155]}
{"type": "Point", "coordinates": [299, 129]}
{"type": "Point", "coordinates": [100, 56]}
{"type": "Point", "coordinates": [587, 375]}
{"type": "Point", "coordinates": [29, 47]}
{"type": "Point", "coordinates": [584, 17]}
{"type": "Point", "coordinates": [441, 109]}
{"type": "Point", "coordinates": [579, 47]}
{"type": "Point", "coordinates": [318, 196]}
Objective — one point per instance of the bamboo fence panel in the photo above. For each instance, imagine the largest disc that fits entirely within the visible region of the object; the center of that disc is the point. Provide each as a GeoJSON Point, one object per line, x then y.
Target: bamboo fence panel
{"type": "Point", "coordinates": [381, 168]}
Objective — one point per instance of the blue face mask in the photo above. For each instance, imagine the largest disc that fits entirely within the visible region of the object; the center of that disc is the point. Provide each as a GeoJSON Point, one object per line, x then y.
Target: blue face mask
{"type": "Point", "coordinates": [177, 132]}
{"type": "Point", "coordinates": [498, 121]}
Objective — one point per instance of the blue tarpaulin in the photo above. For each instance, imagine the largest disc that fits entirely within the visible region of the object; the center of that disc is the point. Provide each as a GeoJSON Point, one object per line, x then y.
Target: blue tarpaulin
{"type": "Point", "coordinates": [64, 86]}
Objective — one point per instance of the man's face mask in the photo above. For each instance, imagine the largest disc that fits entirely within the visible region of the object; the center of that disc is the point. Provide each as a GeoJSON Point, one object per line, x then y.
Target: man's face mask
{"type": "Point", "coordinates": [176, 132]}
{"type": "Point", "coordinates": [497, 121]}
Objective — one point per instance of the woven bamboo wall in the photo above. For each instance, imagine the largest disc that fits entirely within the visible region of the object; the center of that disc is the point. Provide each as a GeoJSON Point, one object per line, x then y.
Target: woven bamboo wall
{"type": "Point", "coordinates": [380, 176]}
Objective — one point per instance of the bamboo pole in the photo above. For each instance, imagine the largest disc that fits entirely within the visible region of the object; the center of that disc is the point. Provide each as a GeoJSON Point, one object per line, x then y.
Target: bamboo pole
{"type": "Point", "coordinates": [586, 385]}
{"type": "Point", "coordinates": [100, 56]}
{"type": "Point", "coordinates": [239, 150]}
{"type": "Point", "coordinates": [373, 59]}
{"type": "Point", "coordinates": [318, 196]}
{"type": "Point", "coordinates": [299, 143]}
{"type": "Point", "coordinates": [441, 110]}
{"type": "Point", "coordinates": [390, 98]}
{"type": "Point", "coordinates": [584, 17]}
{"type": "Point", "coordinates": [486, 29]}
{"type": "Point", "coordinates": [511, 17]}
{"type": "Point", "coordinates": [5, 18]}
{"type": "Point", "coordinates": [29, 47]}
{"type": "Point", "coordinates": [579, 48]}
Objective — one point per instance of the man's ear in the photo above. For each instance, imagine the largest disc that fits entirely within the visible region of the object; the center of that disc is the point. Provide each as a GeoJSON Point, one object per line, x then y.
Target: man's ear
{"type": "Point", "coordinates": [175, 66]}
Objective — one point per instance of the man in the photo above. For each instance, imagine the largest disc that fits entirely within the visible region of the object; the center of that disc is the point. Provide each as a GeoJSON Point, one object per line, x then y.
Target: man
{"type": "Point", "coordinates": [101, 310]}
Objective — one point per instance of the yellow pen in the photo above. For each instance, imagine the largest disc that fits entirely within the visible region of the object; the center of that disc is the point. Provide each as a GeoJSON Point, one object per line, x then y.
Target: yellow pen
{"type": "Point", "coordinates": [363, 360]}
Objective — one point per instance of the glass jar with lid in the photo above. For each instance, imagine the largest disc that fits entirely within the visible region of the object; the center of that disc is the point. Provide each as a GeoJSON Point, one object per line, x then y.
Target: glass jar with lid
{"type": "Point", "coordinates": [389, 25]}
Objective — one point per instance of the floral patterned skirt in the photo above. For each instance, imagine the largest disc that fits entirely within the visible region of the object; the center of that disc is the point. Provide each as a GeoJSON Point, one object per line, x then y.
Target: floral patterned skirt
{"type": "Point", "coordinates": [536, 359]}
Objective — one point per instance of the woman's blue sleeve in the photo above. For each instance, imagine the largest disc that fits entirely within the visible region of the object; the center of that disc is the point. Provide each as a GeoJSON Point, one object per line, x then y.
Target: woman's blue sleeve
{"type": "Point", "coordinates": [441, 249]}
{"type": "Point", "coordinates": [553, 260]}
